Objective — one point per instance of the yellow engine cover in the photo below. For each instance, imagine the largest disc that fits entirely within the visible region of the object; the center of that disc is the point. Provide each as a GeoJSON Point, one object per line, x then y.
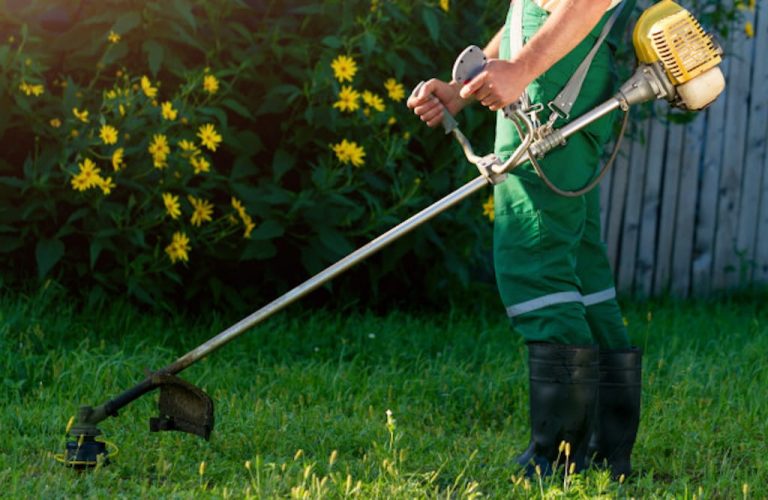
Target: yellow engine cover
{"type": "Point", "coordinates": [668, 33]}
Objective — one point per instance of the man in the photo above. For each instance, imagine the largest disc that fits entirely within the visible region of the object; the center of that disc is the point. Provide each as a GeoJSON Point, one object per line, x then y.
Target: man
{"type": "Point", "coordinates": [551, 267]}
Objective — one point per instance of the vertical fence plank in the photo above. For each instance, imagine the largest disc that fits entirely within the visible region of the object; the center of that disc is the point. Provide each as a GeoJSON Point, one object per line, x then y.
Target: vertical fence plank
{"type": "Point", "coordinates": [759, 154]}
{"type": "Point", "coordinates": [605, 202]}
{"type": "Point", "coordinates": [727, 260]}
{"type": "Point", "coordinates": [668, 210]}
{"type": "Point", "coordinates": [631, 227]}
{"type": "Point", "coordinates": [618, 199]}
{"type": "Point", "coordinates": [755, 146]}
{"type": "Point", "coordinates": [706, 220]}
{"type": "Point", "coordinates": [686, 207]}
{"type": "Point", "coordinates": [651, 201]}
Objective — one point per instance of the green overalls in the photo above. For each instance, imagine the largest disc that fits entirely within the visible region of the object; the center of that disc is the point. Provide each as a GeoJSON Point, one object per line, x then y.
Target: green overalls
{"type": "Point", "coordinates": [551, 266]}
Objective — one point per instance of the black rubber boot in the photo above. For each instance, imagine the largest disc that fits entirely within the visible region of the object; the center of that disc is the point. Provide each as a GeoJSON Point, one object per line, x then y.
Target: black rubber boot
{"type": "Point", "coordinates": [563, 395]}
{"type": "Point", "coordinates": [618, 410]}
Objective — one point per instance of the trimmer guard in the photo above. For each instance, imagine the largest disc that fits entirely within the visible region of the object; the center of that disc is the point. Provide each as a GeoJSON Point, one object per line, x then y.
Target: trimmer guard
{"type": "Point", "coordinates": [183, 407]}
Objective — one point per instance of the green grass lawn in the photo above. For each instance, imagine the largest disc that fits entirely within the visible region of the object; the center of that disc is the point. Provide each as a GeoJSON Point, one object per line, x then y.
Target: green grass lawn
{"type": "Point", "coordinates": [302, 401]}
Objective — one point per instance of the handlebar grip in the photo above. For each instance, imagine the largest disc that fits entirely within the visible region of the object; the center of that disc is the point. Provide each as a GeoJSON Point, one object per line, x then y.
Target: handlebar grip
{"type": "Point", "coordinates": [449, 123]}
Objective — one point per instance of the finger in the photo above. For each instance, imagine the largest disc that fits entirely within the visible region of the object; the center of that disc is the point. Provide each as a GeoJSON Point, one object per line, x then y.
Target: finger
{"type": "Point", "coordinates": [473, 86]}
{"type": "Point", "coordinates": [494, 104]}
{"type": "Point", "coordinates": [429, 106]}
{"type": "Point", "coordinates": [433, 117]}
{"type": "Point", "coordinates": [420, 94]}
{"type": "Point", "coordinates": [482, 94]}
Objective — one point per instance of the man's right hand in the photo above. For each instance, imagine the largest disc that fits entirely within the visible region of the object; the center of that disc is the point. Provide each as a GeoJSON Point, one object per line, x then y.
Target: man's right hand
{"type": "Point", "coordinates": [433, 98]}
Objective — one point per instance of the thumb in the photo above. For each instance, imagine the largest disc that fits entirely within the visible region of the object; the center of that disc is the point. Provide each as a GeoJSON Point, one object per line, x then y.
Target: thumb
{"type": "Point", "coordinates": [422, 93]}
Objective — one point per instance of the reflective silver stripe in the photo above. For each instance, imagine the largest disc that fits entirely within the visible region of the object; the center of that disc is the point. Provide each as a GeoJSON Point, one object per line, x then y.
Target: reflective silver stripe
{"type": "Point", "coordinates": [542, 302]}
{"type": "Point", "coordinates": [597, 297]}
{"type": "Point", "coordinates": [561, 298]}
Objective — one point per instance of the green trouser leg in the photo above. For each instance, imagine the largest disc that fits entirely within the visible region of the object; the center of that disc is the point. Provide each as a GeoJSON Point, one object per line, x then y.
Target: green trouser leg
{"type": "Point", "coordinates": [552, 270]}
{"type": "Point", "coordinates": [594, 271]}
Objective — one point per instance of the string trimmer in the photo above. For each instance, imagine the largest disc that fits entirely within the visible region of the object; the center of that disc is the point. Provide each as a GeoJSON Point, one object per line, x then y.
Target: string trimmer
{"type": "Point", "coordinates": [678, 62]}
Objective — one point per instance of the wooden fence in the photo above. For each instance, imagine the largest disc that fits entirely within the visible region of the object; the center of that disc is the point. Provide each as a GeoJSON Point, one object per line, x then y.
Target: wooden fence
{"type": "Point", "coordinates": [685, 208]}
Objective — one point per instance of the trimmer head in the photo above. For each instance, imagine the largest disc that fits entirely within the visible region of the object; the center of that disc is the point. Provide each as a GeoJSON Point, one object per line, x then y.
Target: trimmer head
{"type": "Point", "coordinates": [86, 453]}
{"type": "Point", "coordinates": [183, 407]}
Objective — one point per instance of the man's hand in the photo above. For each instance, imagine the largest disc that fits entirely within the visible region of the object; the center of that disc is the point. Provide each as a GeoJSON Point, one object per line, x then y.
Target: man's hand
{"type": "Point", "coordinates": [433, 97]}
{"type": "Point", "coordinates": [499, 84]}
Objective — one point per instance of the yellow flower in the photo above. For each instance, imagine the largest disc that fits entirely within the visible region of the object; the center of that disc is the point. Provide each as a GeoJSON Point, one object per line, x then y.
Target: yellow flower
{"type": "Point", "coordinates": [55, 122]}
{"type": "Point", "coordinates": [113, 37]}
{"type": "Point", "coordinates": [178, 251]}
{"type": "Point", "coordinates": [202, 211]}
{"type": "Point", "coordinates": [344, 68]}
{"type": "Point", "coordinates": [210, 84]}
{"type": "Point", "coordinates": [488, 209]}
{"type": "Point", "coordinates": [349, 152]}
{"type": "Point", "coordinates": [172, 206]}
{"type": "Point", "coordinates": [749, 29]}
{"type": "Point", "coordinates": [188, 146]}
{"type": "Point", "coordinates": [249, 226]}
{"type": "Point", "coordinates": [247, 220]}
{"type": "Point", "coordinates": [117, 159]}
{"type": "Point", "coordinates": [147, 88]}
{"type": "Point", "coordinates": [238, 206]}
{"type": "Point", "coordinates": [374, 101]}
{"type": "Point", "coordinates": [106, 185]}
{"type": "Point", "coordinates": [392, 120]}
{"type": "Point", "coordinates": [87, 177]}
{"type": "Point", "coordinates": [168, 112]}
{"type": "Point", "coordinates": [348, 99]}
{"type": "Point", "coordinates": [444, 5]}
{"type": "Point", "coordinates": [81, 115]}
{"type": "Point", "coordinates": [108, 134]}
{"type": "Point", "coordinates": [159, 150]}
{"type": "Point", "coordinates": [395, 90]}
{"type": "Point", "coordinates": [159, 145]}
{"type": "Point", "coordinates": [200, 164]}
{"type": "Point", "coordinates": [36, 89]}
{"type": "Point", "coordinates": [209, 137]}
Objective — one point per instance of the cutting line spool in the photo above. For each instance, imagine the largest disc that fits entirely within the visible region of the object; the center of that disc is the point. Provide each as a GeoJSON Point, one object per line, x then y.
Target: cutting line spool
{"type": "Point", "coordinates": [87, 453]}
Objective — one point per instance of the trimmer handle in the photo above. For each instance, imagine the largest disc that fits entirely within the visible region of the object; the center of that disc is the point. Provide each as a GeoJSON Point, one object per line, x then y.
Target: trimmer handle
{"type": "Point", "coordinates": [449, 123]}
{"type": "Point", "coordinates": [469, 64]}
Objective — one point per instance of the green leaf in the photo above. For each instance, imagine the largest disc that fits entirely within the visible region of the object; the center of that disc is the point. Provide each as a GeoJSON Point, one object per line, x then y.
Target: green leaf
{"type": "Point", "coordinates": [155, 53]}
{"type": "Point", "coordinates": [184, 9]}
{"type": "Point", "coordinates": [258, 250]}
{"type": "Point", "coordinates": [368, 43]}
{"type": "Point", "coordinates": [48, 252]}
{"type": "Point", "coordinates": [237, 108]}
{"type": "Point", "coordinates": [333, 42]}
{"type": "Point", "coordinates": [126, 22]}
{"type": "Point", "coordinates": [431, 22]}
{"type": "Point", "coordinates": [219, 114]}
{"type": "Point", "coordinates": [268, 230]}
{"type": "Point", "coordinates": [282, 162]}
{"type": "Point", "coordinates": [96, 248]}
{"type": "Point", "coordinates": [334, 241]}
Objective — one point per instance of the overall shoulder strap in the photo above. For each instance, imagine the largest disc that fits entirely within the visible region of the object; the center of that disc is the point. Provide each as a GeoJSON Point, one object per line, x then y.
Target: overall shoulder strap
{"type": "Point", "coordinates": [562, 104]}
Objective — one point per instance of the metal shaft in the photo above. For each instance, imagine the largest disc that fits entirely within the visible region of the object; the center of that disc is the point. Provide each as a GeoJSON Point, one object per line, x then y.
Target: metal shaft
{"type": "Point", "coordinates": [327, 274]}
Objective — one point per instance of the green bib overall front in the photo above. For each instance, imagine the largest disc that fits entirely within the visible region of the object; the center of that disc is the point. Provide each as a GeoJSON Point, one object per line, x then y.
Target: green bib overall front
{"type": "Point", "coordinates": [551, 266]}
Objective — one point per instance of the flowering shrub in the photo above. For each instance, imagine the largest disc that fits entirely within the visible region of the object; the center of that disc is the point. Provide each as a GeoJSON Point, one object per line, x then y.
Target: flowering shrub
{"type": "Point", "coordinates": [191, 148]}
